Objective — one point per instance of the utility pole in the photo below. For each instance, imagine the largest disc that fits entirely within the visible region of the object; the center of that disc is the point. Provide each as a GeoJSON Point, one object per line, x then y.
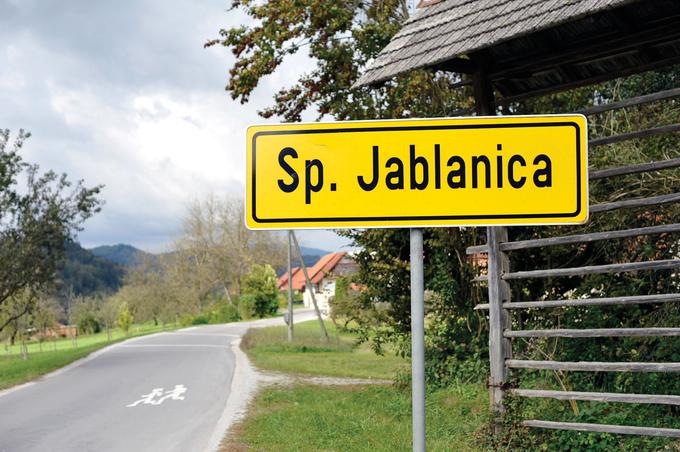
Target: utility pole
{"type": "Point", "coordinates": [308, 283]}
{"type": "Point", "coordinates": [290, 290]}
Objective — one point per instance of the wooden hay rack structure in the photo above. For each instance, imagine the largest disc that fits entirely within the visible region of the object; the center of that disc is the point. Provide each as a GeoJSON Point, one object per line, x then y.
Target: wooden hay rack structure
{"type": "Point", "coordinates": [520, 49]}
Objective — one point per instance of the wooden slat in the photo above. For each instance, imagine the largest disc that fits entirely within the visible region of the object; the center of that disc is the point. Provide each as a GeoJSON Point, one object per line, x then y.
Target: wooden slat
{"type": "Point", "coordinates": [477, 249]}
{"type": "Point", "coordinates": [604, 428]}
{"type": "Point", "coordinates": [595, 332]}
{"type": "Point", "coordinates": [590, 270]}
{"type": "Point", "coordinates": [640, 100]}
{"type": "Point", "coordinates": [579, 238]}
{"type": "Point", "coordinates": [592, 366]}
{"type": "Point", "coordinates": [599, 396]}
{"type": "Point", "coordinates": [634, 169]}
{"type": "Point", "coordinates": [462, 112]}
{"type": "Point", "coordinates": [638, 299]}
{"type": "Point", "coordinates": [634, 135]}
{"type": "Point", "coordinates": [632, 203]}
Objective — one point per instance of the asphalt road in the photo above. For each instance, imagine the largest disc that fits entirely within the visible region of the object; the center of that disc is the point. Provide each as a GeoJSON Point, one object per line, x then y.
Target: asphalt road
{"type": "Point", "coordinates": [185, 375]}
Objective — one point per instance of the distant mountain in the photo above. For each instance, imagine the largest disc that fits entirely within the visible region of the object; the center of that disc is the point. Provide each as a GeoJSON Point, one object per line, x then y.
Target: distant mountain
{"type": "Point", "coordinates": [309, 255]}
{"type": "Point", "coordinates": [313, 251]}
{"type": "Point", "coordinates": [83, 273]}
{"type": "Point", "coordinates": [121, 254]}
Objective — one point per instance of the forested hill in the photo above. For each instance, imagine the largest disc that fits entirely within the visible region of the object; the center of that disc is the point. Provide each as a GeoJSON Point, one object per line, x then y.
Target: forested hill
{"type": "Point", "coordinates": [83, 273]}
{"type": "Point", "coordinates": [121, 254]}
{"type": "Point", "coordinates": [102, 269]}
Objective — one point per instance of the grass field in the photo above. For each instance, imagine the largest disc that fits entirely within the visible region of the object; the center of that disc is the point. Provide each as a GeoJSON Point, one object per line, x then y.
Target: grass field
{"type": "Point", "coordinates": [269, 349]}
{"type": "Point", "coordinates": [346, 418]}
{"type": "Point", "coordinates": [15, 370]}
{"type": "Point", "coordinates": [359, 418]}
{"type": "Point", "coordinates": [84, 341]}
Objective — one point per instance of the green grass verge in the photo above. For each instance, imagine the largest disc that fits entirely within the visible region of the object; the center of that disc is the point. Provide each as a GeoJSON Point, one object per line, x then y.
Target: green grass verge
{"type": "Point", "coordinates": [87, 340]}
{"type": "Point", "coordinates": [269, 349]}
{"type": "Point", "coordinates": [359, 418]}
{"type": "Point", "coordinates": [14, 370]}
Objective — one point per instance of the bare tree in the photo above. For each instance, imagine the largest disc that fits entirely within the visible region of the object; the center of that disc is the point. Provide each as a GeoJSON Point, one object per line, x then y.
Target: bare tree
{"type": "Point", "coordinates": [219, 250]}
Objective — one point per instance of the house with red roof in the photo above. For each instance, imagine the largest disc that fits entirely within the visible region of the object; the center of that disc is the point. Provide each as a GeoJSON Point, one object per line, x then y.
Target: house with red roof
{"type": "Point", "coordinates": [322, 276]}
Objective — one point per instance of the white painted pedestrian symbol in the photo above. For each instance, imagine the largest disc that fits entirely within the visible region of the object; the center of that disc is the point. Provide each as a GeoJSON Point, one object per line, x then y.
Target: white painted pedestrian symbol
{"type": "Point", "coordinates": [158, 396]}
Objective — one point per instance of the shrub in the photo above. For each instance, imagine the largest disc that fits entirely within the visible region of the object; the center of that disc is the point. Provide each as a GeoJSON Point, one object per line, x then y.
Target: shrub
{"type": "Point", "coordinates": [224, 313]}
{"type": "Point", "coordinates": [200, 320]}
{"type": "Point", "coordinates": [125, 318]}
{"type": "Point", "coordinates": [88, 324]}
{"type": "Point", "coordinates": [246, 306]}
{"type": "Point", "coordinates": [260, 292]}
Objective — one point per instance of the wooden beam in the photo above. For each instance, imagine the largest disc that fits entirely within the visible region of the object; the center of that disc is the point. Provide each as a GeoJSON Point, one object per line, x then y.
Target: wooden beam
{"type": "Point", "coordinates": [633, 203]}
{"type": "Point", "coordinates": [585, 82]}
{"type": "Point", "coordinates": [459, 65]}
{"type": "Point", "coordinates": [596, 332]}
{"type": "Point", "coordinates": [579, 238]}
{"type": "Point", "coordinates": [586, 52]}
{"type": "Point", "coordinates": [631, 102]}
{"type": "Point", "coordinates": [671, 128]}
{"type": "Point", "coordinates": [609, 301]}
{"type": "Point", "coordinates": [599, 396]}
{"type": "Point", "coordinates": [664, 264]}
{"type": "Point", "coordinates": [500, 348]}
{"type": "Point", "coordinates": [634, 169]}
{"type": "Point", "coordinates": [592, 366]}
{"type": "Point", "coordinates": [604, 428]}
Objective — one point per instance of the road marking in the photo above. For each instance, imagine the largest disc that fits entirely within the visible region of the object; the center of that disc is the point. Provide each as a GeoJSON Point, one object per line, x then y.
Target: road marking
{"type": "Point", "coordinates": [158, 396]}
{"type": "Point", "coordinates": [206, 334]}
{"type": "Point", "coordinates": [174, 345]}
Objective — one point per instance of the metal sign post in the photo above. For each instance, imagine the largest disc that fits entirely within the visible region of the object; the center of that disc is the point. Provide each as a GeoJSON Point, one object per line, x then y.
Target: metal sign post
{"type": "Point", "coordinates": [417, 340]}
{"type": "Point", "coordinates": [290, 290]}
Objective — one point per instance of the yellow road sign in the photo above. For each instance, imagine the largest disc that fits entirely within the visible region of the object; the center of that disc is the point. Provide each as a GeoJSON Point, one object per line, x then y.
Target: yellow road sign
{"type": "Point", "coordinates": [423, 172]}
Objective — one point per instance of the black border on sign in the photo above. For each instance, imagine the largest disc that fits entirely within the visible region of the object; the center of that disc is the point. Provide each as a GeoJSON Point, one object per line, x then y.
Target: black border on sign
{"type": "Point", "coordinates": [423, 217]}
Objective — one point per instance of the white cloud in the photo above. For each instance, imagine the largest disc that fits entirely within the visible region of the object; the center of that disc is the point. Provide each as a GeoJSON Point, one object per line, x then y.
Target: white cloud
{"type": "Point", "coordinates": [124, 95]}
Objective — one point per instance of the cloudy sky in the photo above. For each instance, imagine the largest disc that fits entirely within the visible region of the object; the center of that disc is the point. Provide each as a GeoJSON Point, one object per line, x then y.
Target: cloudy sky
{"type": "Point", "coordinates": [122, 93]}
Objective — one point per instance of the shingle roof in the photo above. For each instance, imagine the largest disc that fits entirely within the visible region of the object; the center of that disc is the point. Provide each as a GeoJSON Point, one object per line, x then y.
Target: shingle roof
{"type": "Point", "coordinates": [324, 266]}
{"type": "Point", "coordinates": [316, 273]}
{"type": "Point", "coordinates": [453, 28]}
{"type": "Point", "coordinates": [283, 280]}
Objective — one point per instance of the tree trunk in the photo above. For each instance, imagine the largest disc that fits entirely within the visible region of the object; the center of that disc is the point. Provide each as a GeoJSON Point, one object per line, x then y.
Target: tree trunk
{"type": "Point", "coordinates": [226, 292]}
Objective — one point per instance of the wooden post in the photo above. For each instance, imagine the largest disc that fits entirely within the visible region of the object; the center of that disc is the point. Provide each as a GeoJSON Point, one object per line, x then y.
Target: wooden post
{"type": "Point", "coordinates": [498, 264]}
{"type": "Point", "coordinates": [499, 320]}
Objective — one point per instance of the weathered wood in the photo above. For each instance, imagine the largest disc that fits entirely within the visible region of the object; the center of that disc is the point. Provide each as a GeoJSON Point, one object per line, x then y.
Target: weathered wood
{"type": "Point", "coordinates": [477, 249]}
{"type": "Point", "coordinates": [519, 66]}
{"type": "Point", "coordinates": [579, 238]}
{"type": "Point", "coordinates": [499, 321]}
{"type": "Point", "coordinates": [596, 332]}
{"type": "Point", "coordinates": [590, 270]}
{"type": "Point", "coordinates": [499, 290]}
{"type": "Point", "coordinates": [592, 366]}
{"type": "Point", "coordinates": [508, 100]}
{"type": "Point", "coordinates": [632, 203]}
{"type": "Point", "coordinates": [599, 396]}
{"type": "Point", "coordinates": [633, 101]}
{"type": "Point", "coordinates": [634, 135]}
{"type": "Point", "coordinates": [604, 428]}
{"type": "Point", "coordinates": [634, 169]}
{"type": "Point", "coordinates": [638, 299]}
